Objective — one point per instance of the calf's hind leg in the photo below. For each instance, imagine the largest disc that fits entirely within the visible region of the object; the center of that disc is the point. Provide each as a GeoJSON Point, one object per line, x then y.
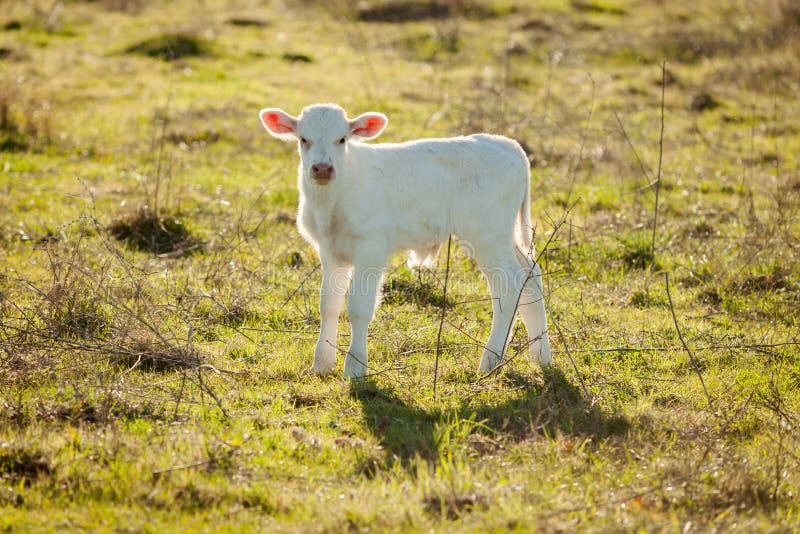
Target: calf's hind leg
{"type": "Point", "coordinates": [532, 310]}
{"type": "Point", "coordinates": [503, 276]}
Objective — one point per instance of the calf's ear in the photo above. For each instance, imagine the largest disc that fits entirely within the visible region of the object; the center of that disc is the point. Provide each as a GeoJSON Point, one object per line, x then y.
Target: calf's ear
{"type": "Point", "coordinates": [279, 123]}
{"type": "Point", "coordinates": [369, 125]}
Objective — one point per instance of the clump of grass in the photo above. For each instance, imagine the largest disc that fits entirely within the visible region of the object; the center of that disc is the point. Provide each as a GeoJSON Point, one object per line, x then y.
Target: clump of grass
{"type": "Point", "coordinates": [160, 234]}
{"type": "Point", "coordinates": [637, 251]}
{"type": "Point", "coordinates": [71, 307]}
{"type": "Point", "coordinates": [404, 11]}
{"type": "Point", "coordinates": [400, 11]}
{"type": "Point", "coordinates": [597, 7]}
{"type": "Point", "coordinates": [234, 313]}
{"type": "Point", "coordinates": [247, 22]}
{"type": "Point", "coordinates": [401, 291]}
{"type": "Point", "coordinates": [149, 351]}
{"type": "Point", "coordinates": [128, 6]}
{"type": "Point", "coordinates": [24, 123]}
{"type": "Point", "coordinates": [775, 279]}
{"type": "Point", "coordinates": [297, 58]}
{"type": "Point", "coordinates": [703, 102]}
{"type": "Point", "coordinates": [710, 296]}
{"type": "Point", "coordinates": [702, 230]}
{"type": "Point", "coordinates": [647, 299]}
{"type": "Point", "coordinates": [99, 409]}
{"type": "Point", "coordinates": [23, 463]}
{"type": "Point", "coordinates": [428, 46]}
{"type": "Point", "coordinates": [197, 138]}
{"type": "Point", "coordinates": [453, 506]}
{"type": "Point", "coordinates": [171, 46]}
{"type": "Point", "coordinates": [74, 317]}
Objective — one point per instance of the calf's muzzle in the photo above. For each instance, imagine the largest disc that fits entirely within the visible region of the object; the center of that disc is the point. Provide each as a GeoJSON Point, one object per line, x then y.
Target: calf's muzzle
{"type": "Point", "coordinates": [322, 173]}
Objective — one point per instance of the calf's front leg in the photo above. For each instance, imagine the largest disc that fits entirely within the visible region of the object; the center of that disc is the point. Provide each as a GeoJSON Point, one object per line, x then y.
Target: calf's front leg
{"type": "Point", "coordinates": [335, 281]}
{"type": "Point", "coordinates": [360, 310]}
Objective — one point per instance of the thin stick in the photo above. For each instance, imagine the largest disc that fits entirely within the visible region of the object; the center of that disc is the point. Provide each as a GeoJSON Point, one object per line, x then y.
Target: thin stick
{"type": "Point", "coordinates": [633, 149]}
{"type": "Point", "coordinates": [660, 157]}
{"type": "Point", "coordinates": [584, 136]}
{"type": "Point", "coordinates": [553, 321]}
{"type": "Point", "coordinates": [160, 157]}
{"type": "Point", "coordinates": [685, 346]}
{"type": "Point", "coordinates": [441, 321]}
{"type": "Point", "coordinates": [299, 287]}
{"type": "Point", "coordinates": [159, 472]}
{"type": "Point", "coordinates": [569, 250]}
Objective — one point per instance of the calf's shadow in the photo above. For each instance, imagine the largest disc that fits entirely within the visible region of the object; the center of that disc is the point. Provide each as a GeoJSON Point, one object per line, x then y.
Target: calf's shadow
{"type": "Point", "coordinates": [548, 408]}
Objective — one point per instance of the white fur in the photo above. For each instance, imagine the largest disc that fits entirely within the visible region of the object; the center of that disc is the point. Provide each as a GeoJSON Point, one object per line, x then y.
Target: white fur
{"type": "Point", "coordinates": [385, 198]}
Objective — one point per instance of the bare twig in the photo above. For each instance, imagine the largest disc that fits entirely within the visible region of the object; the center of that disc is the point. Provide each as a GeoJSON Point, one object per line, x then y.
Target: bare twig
{"type": "Point", "coordinates": [739, 346]}
{"type": "Point", "coordinates": [528, 277]}
{"type": "Point", "coordinates": [160, 158]}
{"type": "Point", "coordinates": [441, 321]}
{"type": "Point", "coordinates": [569, 353]}
{"type": "Point", "coordinates": [633, 149]}
{"type": "Point", "coordinates": [660, 157]}
{"type": "Point", "coordinates": [299, 287]}
{"type": "Point", "coordinates": [683, 342]}
{"type": "Point", "coordinates": [374, 373]}
{"type": "Point", "coordinates": [157, 473]}
{"type": "Point", "coordinates": [574, 171]}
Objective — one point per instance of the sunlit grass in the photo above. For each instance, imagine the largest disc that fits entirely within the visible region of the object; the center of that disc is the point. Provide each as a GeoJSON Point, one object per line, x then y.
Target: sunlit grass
{"type": "Point", "coordinates": [159, 379]}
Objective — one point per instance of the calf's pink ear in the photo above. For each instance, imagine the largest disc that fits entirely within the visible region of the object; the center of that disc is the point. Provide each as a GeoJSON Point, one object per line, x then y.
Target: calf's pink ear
{"type": "Point", "coordinates": [279, 123]}
{"type": "Point", "coordinates": [369, 125]}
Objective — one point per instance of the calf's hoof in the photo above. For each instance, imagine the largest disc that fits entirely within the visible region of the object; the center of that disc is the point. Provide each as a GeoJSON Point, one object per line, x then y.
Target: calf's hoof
{"type": "Point", "coordinates": [324, 360]}
{"type": "Point", "coordinates": [540, 352]}
{"type": "Point", "coordinates": [354, 367]}
{"type": "Point", "coordinates": [489, 361]}
{"type": "Point", "coordinates": [321, 368]}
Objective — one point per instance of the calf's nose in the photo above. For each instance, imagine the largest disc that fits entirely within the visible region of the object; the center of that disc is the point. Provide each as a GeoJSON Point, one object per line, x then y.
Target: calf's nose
{"type": "Point", "coordinates": [322, 172]}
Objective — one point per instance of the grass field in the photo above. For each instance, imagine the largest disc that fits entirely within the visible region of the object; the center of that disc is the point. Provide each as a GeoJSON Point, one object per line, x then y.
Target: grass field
{"type": "Point", "coordinates": [159, 310]}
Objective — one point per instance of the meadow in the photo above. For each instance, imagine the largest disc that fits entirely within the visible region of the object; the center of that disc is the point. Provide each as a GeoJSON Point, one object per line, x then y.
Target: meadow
{"type": "Point", "coordinates": [158, 309]}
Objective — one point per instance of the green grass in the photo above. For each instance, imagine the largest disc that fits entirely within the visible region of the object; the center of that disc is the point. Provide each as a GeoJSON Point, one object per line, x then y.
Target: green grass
{"type": "Point", "coordinates": [158, 309]}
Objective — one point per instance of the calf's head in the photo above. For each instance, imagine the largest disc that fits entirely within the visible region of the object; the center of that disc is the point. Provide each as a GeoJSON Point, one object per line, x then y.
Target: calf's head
{"type": "Point", "coordinates": [322, 132]}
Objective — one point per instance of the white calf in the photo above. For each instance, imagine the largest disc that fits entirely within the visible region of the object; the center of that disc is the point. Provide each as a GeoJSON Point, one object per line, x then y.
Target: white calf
{"type": "Point", "coordinates": [360, 203]}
